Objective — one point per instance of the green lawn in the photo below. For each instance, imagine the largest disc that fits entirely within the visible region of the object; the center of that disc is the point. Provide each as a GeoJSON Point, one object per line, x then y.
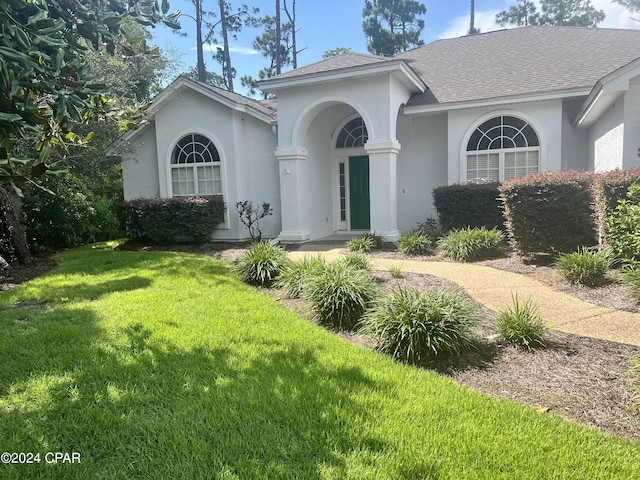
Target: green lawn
{"type": "Point", "coordinates": [164, 366]}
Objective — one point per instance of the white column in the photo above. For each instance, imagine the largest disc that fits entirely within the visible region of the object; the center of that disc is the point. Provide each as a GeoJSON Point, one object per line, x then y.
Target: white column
{"type": "Point", "coordinates": [292, 162]}
{"type": "Point", "coordinates": [383, 188]}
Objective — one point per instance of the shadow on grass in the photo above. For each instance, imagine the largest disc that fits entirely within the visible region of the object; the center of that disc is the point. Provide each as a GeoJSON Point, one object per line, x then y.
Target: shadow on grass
{"type": "Point", "coordinates": [144, 408]}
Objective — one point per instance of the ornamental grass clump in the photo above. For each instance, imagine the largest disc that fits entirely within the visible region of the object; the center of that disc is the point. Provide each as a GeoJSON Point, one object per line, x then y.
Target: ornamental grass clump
{"type": "Point", "coordinates": [522, 325]}
{"type": "Point", "coordinates": [357, 260]}
{"type": "Point", "coordinates": [631, 277]}
{"type": "Point", "coordinates": [470, 243]}
{"type": "Point", "coordinates": [586, 267]}
{"type": "Point", "coordinates": [262, 263]}
{"type": "Point", "coordinates": [414, 242]}
{"type": "Point", "coordinates": [365, 243]}
{"type": "Point", "coordinates": [296, 275]}
{"type": "Point", "coordinates": [340, 294]}
{"type": "Point", "coordinates": [417, 327]}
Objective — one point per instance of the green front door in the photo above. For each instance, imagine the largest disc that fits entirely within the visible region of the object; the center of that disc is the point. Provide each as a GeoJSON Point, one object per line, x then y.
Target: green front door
{"type": "Point", "coordinates": [359, 193]}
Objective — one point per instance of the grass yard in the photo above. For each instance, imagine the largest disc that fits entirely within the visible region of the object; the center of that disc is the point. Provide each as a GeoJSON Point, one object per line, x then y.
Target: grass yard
{"type": "Point", "coordinates": [163, 365]}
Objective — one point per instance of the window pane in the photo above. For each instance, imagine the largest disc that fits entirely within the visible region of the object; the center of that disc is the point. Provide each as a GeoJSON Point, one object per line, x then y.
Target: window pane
{"type": "Point", "coordinates": [483, 168]}
{"type": "Point", "coordinates": [353, 134]}
{"type": "Point", "coordinates": [182, 181]}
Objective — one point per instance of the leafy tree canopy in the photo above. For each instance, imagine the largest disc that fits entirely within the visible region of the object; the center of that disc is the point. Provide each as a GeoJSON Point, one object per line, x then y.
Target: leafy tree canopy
{"type": "Point", "coordinates": [392, 26]}
{"type": "Point", "coordinates": [578, 13]}
{"type": "Point", "coordinates": [46, 84]}
{"type": "Point", "coordinates": [633, 5]}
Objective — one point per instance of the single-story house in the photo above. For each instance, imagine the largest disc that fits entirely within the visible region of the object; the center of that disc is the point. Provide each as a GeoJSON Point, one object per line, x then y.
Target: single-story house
{"type": "Point", "coordinates": [357, 143]}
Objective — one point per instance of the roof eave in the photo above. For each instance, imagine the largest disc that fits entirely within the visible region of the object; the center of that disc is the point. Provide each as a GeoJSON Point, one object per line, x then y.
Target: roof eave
{"type": "Point", "coordinates": [398, 66]}
{"type": "Point", "coordinates": [418, 110]}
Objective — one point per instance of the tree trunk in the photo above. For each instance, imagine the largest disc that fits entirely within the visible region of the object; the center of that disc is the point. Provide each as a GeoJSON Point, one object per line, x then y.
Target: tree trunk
{"type": "Point", "coordinates": [278, 40]}
{"type": "Point", "coordinates": [292, 20]}
{"type": "Point", "coordinates": [10, 217]}
{"type": "Point", "coordinates": [202, 73]}
{"type": "Point", "coordinates": [225, 40]}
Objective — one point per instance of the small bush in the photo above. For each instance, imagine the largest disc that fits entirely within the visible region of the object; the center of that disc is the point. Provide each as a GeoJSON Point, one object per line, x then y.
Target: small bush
{"type": "Point", "coordinates": [415, 242]}
{"type": "Point", "coordinates": [262, 263]}
{"type": "Point", "coordinates": [417, 327]}
{"type": "Point", "coordinates": [521, 324]}
{"type": "Point", "coordinates": [470, 243]}
{"type": "Point", "coordinates": [432, 228]}
{"type": "Point", "coordinates": [395, 271]}
{"type": "Point", "coordinates": [631, 276]}
{"type": "Point", "coordinates": [586, 266]}
{"type": "Point", "coordinates": [356, 260]}
{"type": "Point", "coordinates": [171, 220]}
{"type": "Point", "coordinates": [340, 294]}
{"type": "Point", "coordinates": [622, 227]}
{"type": "Point", "coordinates": [296, 275]}
{"type": "Point", "coordinates": [469, 205]}
{"type": "Point", "coordinates": [365, 243]}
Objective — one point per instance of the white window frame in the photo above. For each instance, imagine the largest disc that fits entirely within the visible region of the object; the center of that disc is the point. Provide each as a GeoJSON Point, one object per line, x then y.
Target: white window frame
{"type": "Point", "coordinates": [194, 168]}
{"type": "Point", "coordinates": [501, 152]}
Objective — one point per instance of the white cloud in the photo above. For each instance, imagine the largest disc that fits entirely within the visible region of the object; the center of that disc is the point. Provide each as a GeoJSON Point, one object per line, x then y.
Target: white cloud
{"type": "Point", "coordinates": [616, 17]}
{"type": "Point", "coordinates": [233, 48]}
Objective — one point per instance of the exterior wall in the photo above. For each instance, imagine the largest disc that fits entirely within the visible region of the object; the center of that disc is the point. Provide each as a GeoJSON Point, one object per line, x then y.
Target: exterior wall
{"type": "Point", "coordinates": [245, 144]}
{"type": "Point", "coordinates": [422, 166]}
{"type": "Point", "coordinates": [606, 139]}
{"type": "Point", "coordinates": [140, 168]}
{"type": "Point", "coordinates": [575, 143]}
{"type": "Point", "coordinates": [544, 116]}
{"type": "Point", "coordinates": [632, 125]}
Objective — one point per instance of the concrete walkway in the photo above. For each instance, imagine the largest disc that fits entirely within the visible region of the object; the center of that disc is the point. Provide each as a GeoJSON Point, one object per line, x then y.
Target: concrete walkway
{"type": "Point", "coordinates": [495, 289]}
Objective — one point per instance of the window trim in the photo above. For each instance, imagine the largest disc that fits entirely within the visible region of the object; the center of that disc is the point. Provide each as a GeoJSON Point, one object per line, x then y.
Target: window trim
{"type": "Point", "coordinates": [194, 166]}
{"type": "Point", "coordinates": [541, 149]}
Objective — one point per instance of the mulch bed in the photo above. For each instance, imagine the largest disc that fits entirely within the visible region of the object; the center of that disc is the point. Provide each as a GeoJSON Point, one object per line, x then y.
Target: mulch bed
{"type": "Point", "coordinates": [581, 379]}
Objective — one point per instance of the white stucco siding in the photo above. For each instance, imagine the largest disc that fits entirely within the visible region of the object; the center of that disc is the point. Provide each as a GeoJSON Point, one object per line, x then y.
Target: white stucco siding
{"type": "Point", "coordinates": [422, 166]}
{"type": "Point", "coordinates": [606, 139]}
{"type": "Point", "coordinates": [575, 142]}
{"type": "Point", "coordinates": [545, 117]}
{"type": "Point", "coordinates": [632, 125]}
{"type": "Point", "coordinates": [140, 167]}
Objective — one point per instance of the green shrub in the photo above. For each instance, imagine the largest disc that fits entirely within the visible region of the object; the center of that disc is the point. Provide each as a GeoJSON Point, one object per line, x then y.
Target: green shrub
{"type": "Point", "coordinates": [414, 242]}
{"type": "Point", "coordinates": [586, 266]}
{"type": "Point", "coordinates": [340, 294]}
{"type": "Point", "coordinates": [631, 276]}
{"type": "Point", "coordinates": [261, 263]}
{"type": "Point", "coordinates": [170, 220]}
{"type": "Point", "coordinates": [521, 324]}
{"type": "Point", "coordinates": [365, 243]}
{"type": "Point", "coordinates": [431, 228]}
{"type": "Point", "coordinates": [419, 327]}
{"type": "Point", "coordinates": [622, 227]}
{"type": "Point", "coordinates": [549, 212]}
{"type": "Point", "coordinates": [610, 188]}
{"type": "Point", "coordinates": [356, 260]}
{"type": "Point", "coordinates": [470, 243]}
{"type": "Point", "coordinates": [469, 205]}
{"type": "Point", "coordinates": [296, 275]}
{"type": "Point", "coordinates": [395, 271]}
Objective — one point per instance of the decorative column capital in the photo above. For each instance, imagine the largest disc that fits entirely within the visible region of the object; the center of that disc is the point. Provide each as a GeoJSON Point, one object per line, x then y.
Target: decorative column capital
{"type": "Point", "coordinates": [384, 146]}
{"type": "Point", "coordinates": [291, 153]}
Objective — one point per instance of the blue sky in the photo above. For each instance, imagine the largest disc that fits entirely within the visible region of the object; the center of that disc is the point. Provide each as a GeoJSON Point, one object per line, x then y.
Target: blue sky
{"type": "Point", "coordinates": [327, 24]}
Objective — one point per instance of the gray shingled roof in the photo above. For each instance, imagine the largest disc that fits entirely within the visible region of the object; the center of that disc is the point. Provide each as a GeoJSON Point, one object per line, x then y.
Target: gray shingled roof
{"type": "Point", "coordinates": [510, 62]}
{"type": "Point", "coordinates": [267, 107]}
{"type": "Point", "coordinates": [519, 61]}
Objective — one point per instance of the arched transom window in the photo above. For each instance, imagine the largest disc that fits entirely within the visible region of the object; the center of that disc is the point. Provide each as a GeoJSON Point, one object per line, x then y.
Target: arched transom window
{"type": "Point", "coordinates": [353, 134]}
{"type": "Point", "coordinates": [195, 167]}
{"type": "Point", "coordinates": [503, 147]}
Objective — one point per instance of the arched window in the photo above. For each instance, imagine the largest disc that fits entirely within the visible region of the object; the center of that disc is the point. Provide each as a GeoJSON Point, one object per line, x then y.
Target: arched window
{"type": "Point", "coordinates": [353, 134]}
{"type": "Point", "coordinates": [503, 147]}
{"type": "Point", "coordinates": [195, 167]}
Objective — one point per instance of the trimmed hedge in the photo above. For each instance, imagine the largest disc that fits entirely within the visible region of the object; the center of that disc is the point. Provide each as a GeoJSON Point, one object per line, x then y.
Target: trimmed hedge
{"type": "Point", "coordinates": [609, 189]}
{"type": "Point", "coordinates": [174, 220]}
{"type": "Point", "coordinates": [549, 212]}
{"type": "Point", "coordinates": [469, 206]}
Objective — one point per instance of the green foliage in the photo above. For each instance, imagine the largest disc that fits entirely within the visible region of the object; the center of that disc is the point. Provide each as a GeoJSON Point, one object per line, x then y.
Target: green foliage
{"type": "Point", "coordinates": [577, 13]}
{"type": "Point", "coordinates": [365, 243]}
{"type": "Point", "coordinates": [73, 215]}
{"type": "Point", "coordinates": [414, 242]}
{"type": "Point", "coordinates": [469, 205]}
{"type": "Point", "coordinates": [392, 27]}
{"type": "Point", "coordinates": [296, 275]}
{"type": "Point", "coordinates": [262, 263]}
{"type": "Point", "coordinates": [173, 220]}
{"type": "Point", "coordinates": [432, 228]}
{"type": "Point", "coordinates": [250, 215]}
{"type": "Point", "coordinates": [396, 271]}
{"type": "Point", "coordinates": [418, 327]}
{"type": "Point", "coordinates": [356, 260]}
{"type": "Point", "coordinates": [521, 324]}
{"type": "Point", "coordinates": [49, 41]}
{"type": "Point", "coordinates": [549, 212]}
{"type": "Point", "coordinates": [622, 227]}
{"type": "Point", "coordinates": [631, 276]}
{"type": "Point", "coordinates": [586, 266]}
{"type": "Point", "coordinates": [341, 294]}
{"type": "Point", "coordinates": [470, 244]}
